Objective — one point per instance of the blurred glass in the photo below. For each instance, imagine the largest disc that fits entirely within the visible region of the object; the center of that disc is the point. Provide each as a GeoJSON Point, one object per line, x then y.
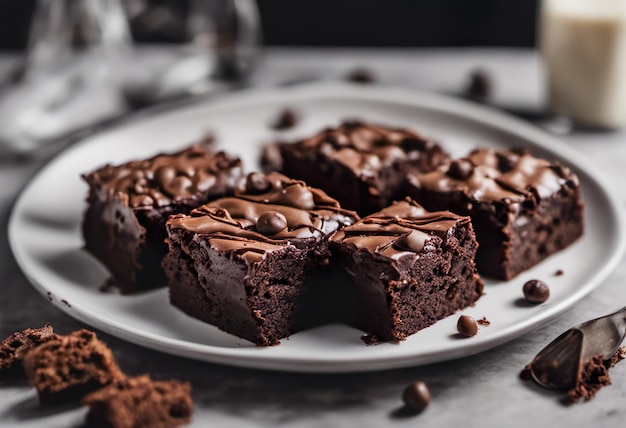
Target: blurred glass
{"type": "Point", "coordinates": [188, 47]}
{"type": "Point", "coordinates": [67, 79]}
{"type": "Point", "coordinates": [583, 49]}
{"type": "Point", "coordinates": [82, 68]}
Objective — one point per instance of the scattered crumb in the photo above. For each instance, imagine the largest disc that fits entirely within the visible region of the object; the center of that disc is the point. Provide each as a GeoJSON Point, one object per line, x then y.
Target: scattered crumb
{"type": "Point", "coordinates": [484, 321]}
{"type": "Point", "coordinates": [526, 374]}
{"type": "Point", "coordinates": [66, 303]}
{"type": "Point", "coordinates": [370, 339]}
{"type": "Point", "coordinates": [286, 119]}
{"type": "Point", "coordinates": [559, 272]}
{"type": "Point", "coordinates": [208, 140]}
{"type": "Point", "coordinates": [49, 296]}
{"type": "Point", "coordinates": [361, 75]}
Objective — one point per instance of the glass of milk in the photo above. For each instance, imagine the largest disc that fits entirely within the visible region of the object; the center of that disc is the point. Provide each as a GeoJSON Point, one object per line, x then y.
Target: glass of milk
{"type": "Point", "coordinates": [583, 47]}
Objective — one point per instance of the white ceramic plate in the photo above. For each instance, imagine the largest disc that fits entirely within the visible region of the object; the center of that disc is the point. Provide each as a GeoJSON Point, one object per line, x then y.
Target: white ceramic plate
{"type": "Point", "coordinates": [44, 229]}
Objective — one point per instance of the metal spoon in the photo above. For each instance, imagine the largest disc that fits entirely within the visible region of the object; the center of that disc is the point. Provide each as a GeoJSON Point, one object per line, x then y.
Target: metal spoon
{"type": "Point", "coordinates": [558, 365]}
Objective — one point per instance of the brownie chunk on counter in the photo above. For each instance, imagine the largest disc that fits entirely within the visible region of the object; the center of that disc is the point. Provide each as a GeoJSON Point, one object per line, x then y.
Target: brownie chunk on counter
{"type": "Point", "coordinates": [128, 205]}
{"type": "Point", "coordinates": [140, 402]}
{"type": "Point", "coordinates": [67, 367]}
{"type": "Point", "coordinates": [363, 166]}
{"type": "Point", "coordinates": [241, 263]}
{"type": "Point", "coordinates": [409, 267]}
{"type": "Point", "coordinates": [14, 348]}
{"type": "Point", "coordinates": [523, 208]}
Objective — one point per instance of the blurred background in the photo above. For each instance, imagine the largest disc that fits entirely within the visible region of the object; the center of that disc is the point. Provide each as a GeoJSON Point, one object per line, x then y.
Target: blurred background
{"type": "Point", "coordinates": [410, 23]}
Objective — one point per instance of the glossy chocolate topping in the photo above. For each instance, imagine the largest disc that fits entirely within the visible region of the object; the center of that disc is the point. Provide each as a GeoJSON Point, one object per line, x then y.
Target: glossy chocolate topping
{"type": "Point", "coordinates": [365, 148]}
{"type": "Point", "coordinates": [489, 175]}
{"type": "Point", "coordinates": [253, 223]}
{"type": "Point", "coordinates": [403, 228]}
{"type": "Point", "coordinates": [168, 178]}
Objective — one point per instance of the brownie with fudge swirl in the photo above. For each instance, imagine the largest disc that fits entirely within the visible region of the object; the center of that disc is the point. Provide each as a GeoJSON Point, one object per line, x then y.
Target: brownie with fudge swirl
{"type": "Point", "coordinates": [241, 263]}
{"type": "Point", "coordinates": [409, 268]}
{"type": "Point", "coordinates": [128, 205]}
{"type": "Point", "coordinates": [362, 165]}
{"type": "Point", "coordinates": [523, 208]}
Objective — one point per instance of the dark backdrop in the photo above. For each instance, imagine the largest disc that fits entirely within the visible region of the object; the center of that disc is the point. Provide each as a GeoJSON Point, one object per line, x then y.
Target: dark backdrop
{"type": "Point", "coordinates": [354, 22]}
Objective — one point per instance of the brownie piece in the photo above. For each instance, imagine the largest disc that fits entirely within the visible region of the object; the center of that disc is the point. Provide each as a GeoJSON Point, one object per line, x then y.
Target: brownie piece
{"type": "Point", "coordinates": [410, 267]}
{"type": "Point", "coordinates": [14, 348]}
{"type": "Point", "coordinates": [140, 402]}
{"type": "Point", "coordinates": [241, 263]}
{"type": "Point", "coordinates": [361, 165]}
{"type": "Point", "coordinates": [67, 367]}
{"type": "Point", "coordinates": [523, 208]}
{"type": "Point", "coordinates": [124, 225]}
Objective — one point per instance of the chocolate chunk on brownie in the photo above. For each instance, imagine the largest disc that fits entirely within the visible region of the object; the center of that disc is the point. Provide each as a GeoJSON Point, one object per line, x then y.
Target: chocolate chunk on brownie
{"type": "Point", "coordinates": [241, 263]}
{"type": "Point", "coordinates": [128, 204]}
{"type": "Point", "coordinates": [67, 367]}
{"type": "Point", "coordinates": [140, 402]}
{"type": "Point", "coordinates": [14, 348]}
{"type": "Point", "coordinates": [361, 165]}
{"type": "Point", "coordinates": [523, 208]}
{"type": "Point", "coordinates": [410, 267]}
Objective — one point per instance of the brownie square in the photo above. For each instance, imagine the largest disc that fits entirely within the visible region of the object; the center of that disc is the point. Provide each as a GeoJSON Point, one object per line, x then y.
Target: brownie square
{"type": "Point", "coordinates": [523, 208]}
{"type": "Point", "coordinates": [67, 367]}
{"type": "Point", "coordinates": [140, 402]}
{"type": "Point", "coordinates": [14, 348]}
{"type": "Point", "coordinates": [241, 263]}
{"type": "Point", "coordinates": [128, 204]}
{"type": "Point", "coordinates": [409, 267]}
{"type": "Point", "coordinates": [363, 166]}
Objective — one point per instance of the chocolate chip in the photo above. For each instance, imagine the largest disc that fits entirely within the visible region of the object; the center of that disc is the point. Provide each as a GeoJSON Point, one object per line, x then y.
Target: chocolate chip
{"type": "Point", "coordinates": [460, 169]}
{"type": "Point", "coordinates": [271, 223]}
{"type": "Point", "coordinates": [361, 75]}
{"type": "Point", "coordinates": [536, 291]}
{"type": "Point", "coordinates": [416, 396]}
{"type": "Point", "coordinates": [256, 182]}
{"type": "Point", "coordinates": [506, 161]}
{"type": "Point", "coordinates": [479, 86]}
{"type": "Point", "coordinates": [467, 326]}
{"type": "Point", "coordinates": [285, 120]}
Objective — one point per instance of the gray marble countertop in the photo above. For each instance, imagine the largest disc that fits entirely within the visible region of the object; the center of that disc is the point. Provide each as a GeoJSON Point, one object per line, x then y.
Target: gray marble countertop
{"type": "Point", "coordinates": [478, 391]}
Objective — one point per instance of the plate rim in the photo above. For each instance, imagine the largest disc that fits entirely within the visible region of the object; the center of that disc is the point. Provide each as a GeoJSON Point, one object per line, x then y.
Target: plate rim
{"type": "Point", "coordinates": [234, 356]}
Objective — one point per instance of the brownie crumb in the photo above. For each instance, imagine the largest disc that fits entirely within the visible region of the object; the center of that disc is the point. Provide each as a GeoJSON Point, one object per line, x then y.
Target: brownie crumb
{"type": "Point", "coordinates": [593, 376]}
{"type": "Point", "coordinates": [49, 296]}
{"type": "Point", "coordinates": [483, 321]}
{"type": "Point", "coordinates": [140, 402]}
{"type": "Point", "coordinates": [285, 120]}
{"type": "Point", "coordinates": [66, 368]}
{"type": "Point", "coordinates": [14, 348]}
{"type": "Point", "coordinates": [559, 272]}
{"type": "Point", "coordinates": [66, 303]}
{"type": "Point", "coordinates": [361, 75]}
{"type": "Point", "coordinates": [370, 339]}
{"type": "Point", "coordinates": [526, 373]}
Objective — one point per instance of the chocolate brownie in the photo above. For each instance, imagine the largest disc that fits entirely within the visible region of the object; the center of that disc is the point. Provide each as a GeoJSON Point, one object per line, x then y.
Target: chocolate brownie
{"type": "Point", "coordinates": [128, 204]}
{"type": "Point", "coordinates": [241, 263]}
{"type": "Point", "coordinates": [14, 348]}
{"type": "Point", "coordinates": [67, 367]}
{"type": "Point", "coordinates": [523, 208]}
{"type": "Point", "coordinates": [361, 165]}
{"type": "Point", "coordinates": [410, 267]}
{"type": "Point", "coordinates": [140, 402]}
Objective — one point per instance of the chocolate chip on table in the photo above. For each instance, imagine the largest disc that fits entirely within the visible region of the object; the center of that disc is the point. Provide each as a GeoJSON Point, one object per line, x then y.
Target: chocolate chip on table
{"type": "Point", "coordinates": [271, 223]}
{"type": "Point", "coordinates": [460, 169]}
{"type": "Point", "coordinates": [467, 326]}
{"type": "Point", "coordinates": [416, 396]}
{"type": "Point", "coordinates": [479, 86]}
{"type": "Point", "coordinates": [256, 182]}
{"type": "Point", "coordinates": [361, 75]}
{"type": "Point", "coordinates": [536, 291]}
{"type": "Point", "coordinates": [285, 120]}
